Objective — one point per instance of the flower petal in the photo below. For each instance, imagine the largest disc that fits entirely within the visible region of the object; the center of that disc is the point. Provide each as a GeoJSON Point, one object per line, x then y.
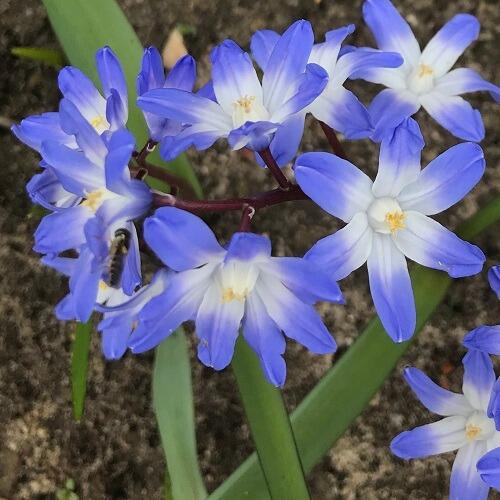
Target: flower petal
{"type": "Point", "coordinates": [465, 480]}
{"type": "Point", "coordinates": [262, 45]}
{"type": "Point", "coordinates": [343, 111]}
{"type": "Point", "coordinates": [484, 338]}
{"type": "Point", "coordinates": [286, 140]}
{"type": "Point", "coordinates": [462, 80]}
{"type": "Point", "coordinates": [335, 184]}
{"type": "Point", "coordinates": [446, 180]}
{"type": "Point", "coordinates": [299, 321]}
{"type": "Point", "coordinates": [180, 239]}
{"type": "Point", "coordinates": [454, 114]}
{"type": "Point", "coordinates": [266, 339]}
{"type": "Point", "coordinates": [435, 398]}
{"type": "Point", "coordinates": [494, 279]}
{"type": "Point", "coordinates": [442, 436]}
{"type": "Point", "coordinates": [488, 467]}
{"type": "Point", "coordinates": [287, 61]}
{"type": "Point", "coordinates": [399, 160]}
{"type": "Point", "coordinates": [390, 30]}
{"type": "Point", "coordinates": [446, 46]}
{"type": "Point", "coordinates": [345, 250]}
{"type": "Point", "coordinates": [389, 108]}
{"type": "Point", "coordinates": [479, 379]}
{"type": "Point", "coordinates": [217, 327]}
{"type": "Point", "coordinates": [391, 288]}
{"type": "Point", "coordinates": [233, 75]}
{"type": "Point", "coordinates": [430, 244]}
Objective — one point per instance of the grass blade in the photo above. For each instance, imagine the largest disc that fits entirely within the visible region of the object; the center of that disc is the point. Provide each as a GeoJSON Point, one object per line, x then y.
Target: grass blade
{"type": "Point", "coordinates": [53, 57]}
{"type": "Point", "coordinates": [79, 367]}
{"type": "Point", "coordinates": [328, 410]}
{"type": "Point", "coordinates": [270, 426]}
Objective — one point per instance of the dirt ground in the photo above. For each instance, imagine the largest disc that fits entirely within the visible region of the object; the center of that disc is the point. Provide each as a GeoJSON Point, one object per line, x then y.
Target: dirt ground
{"type": "Point", "coordinates": [115, 453]}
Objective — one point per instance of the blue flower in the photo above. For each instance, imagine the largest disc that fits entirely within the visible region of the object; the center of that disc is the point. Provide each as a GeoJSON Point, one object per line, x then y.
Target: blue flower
{"type": "Point", "coordinates": [494, 279]}
{"type": "Point", "coordinates": [222, 289]}
{"type": "Point", "coordinates": [247, 112]}
{"type": "Point", "coordinates": [336, 106]}
{"type": "Point", "coordinates": [466, 426]}
{"type": "Point", "coordinates": [484, 338]}
{"type": "Point", "coordinates": [389, 219]}
{"type": "Point", "coordinates": [425, 79]}
{"type": "Point", "coordinates": [489, 468]}
{"type": "Point", "coordinates": [152, 76]}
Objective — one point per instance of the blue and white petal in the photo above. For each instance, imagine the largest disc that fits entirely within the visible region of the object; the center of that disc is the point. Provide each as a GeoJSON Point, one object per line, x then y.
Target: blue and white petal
{"type": "Point", "coordinates": [286, 140]}
{"type": "Point", "coordinates": [336, 185]}
{"type": "Point", "coordinates": [465, 481]}
{"type": "Point", "coordinates": [266, 339]}
{"type": "Point", "coordinates": [399, 160]}
{"type": "Point", "coordinates": [434, 397]}
{"type": "Point", "coordinates": [479, 379]}
{"type": "Point", "coordinates": [488, 467]}
{"type": "Point", "coordinates": [463, 80]}
{"type": "Point", "coordinates": [445, 181]}
{"type": "Point", "coordinates": [180, 239]}
{"type": "Point", "coordinates": [430, 244]}
{"type": "Point", "coordinates": [484, 338]}
{"type": "Point", "coordinates": [454, 114]}
{"type": "Point", "coordinates": [389, 108]}
{"type": "Point", "coordinates": [46, 190]}
{"type": "Point", "coordinates": [448, 44]}
{"type": "Point", "coordinates": [442, 436]}
{"type": "Point", "coordinates": [391, 288]}
{"type": "Point", "coordinates": [262, 45]}
{"type": "Point", "coordinates": [345, 250]}
{"type": "Point", "coordinates": [391, 31]}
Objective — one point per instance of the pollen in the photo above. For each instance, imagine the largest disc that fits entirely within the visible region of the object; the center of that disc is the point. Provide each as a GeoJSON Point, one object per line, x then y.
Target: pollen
{"type": "Point", "coordinates": [94, 199]}
{"type": "Point", "coordinates": [396, 220]}
{"type": "Point", "coordinates": [245, 103]}
{"type": "Point", "coordinates": [102, 285]}
{"type": "Point", "coordinates": [228, 295]}
{"type": "Point", "coordinates": [98, 121]}
{"type": "Point", "coordinates": [424, 70]}
{"type": "Point", "coordinates": [472, 432]}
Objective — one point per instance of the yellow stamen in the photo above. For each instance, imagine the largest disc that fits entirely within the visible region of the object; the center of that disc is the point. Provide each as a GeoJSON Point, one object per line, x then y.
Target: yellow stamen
{"type": "Point", "coordinates": [424, 70]}
{"type": "Point", "coordinates": [94, 199]}
{"type": "Point", "coordinates": [245, 102]}
{"type": "Point", "coordinates": [472, 432]}
{"type": "Point", "coordinates": [98, 121]}
{"type": "Point", "coordinates": [396, 220]}
{"type": "Point", "coordinates": [102, 285]}
{"type": "Point", "coordinates": [228, 295]}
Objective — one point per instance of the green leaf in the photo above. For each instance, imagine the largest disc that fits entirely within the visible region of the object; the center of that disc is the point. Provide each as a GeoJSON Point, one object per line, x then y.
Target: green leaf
{"type": "Point", "coordinates": [339, 397]}
{"type": "Point", "coordinates": [270, 426]}
{"type": "Point", "coordinates": [79, 367]}
{"type": "Point", "coordinates": [173, 404]}
{"type": "Point", "coordinates": [83, 27]}
{"type": "Point", "coordinates": [53, 57]}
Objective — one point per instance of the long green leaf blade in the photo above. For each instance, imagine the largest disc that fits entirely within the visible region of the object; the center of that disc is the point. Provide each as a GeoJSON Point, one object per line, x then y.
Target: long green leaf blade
{"type": "Point", "coordinates": [53, 57]}
{"type": "Point", "coordinates": [82, 27]}
{"type": "Point", "coordinates": [79, 367]}
{"type": "Point", "coordinates": [270, 426]}
{"type": "Point", "coordinates": [173, 404]}
{"type": "Point", "coordinates": [328, 410]}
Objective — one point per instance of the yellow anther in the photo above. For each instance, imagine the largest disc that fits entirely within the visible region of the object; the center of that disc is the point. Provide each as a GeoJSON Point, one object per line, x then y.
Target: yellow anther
{"type": "Point", "coordinates": [98, 121]}
{"type": "Point", "coordinates": [396, 220]}
{"type": "Point", "coordinates": [94, 199]}
{"type": "Point", "coordinates": [424, 70]}
{"type": "Point", "coordinates": [228, 295]}
{"type": "Point", "coordinates": [245, 103]}
{"type": "Point", "coordinates": [102, 285]}
{"type": "Point", "coordinates": [472, 432]}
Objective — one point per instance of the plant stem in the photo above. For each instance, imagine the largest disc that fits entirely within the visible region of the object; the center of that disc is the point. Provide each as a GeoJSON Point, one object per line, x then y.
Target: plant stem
{"type": "Point", "coordinates": [333, 140]}
{"type": "Point", "coordinates": [246, 218]}
{"type": "Point", "coordinates": [271, 164]}
{"type": "Point", "coordinates": [270, 426]}
{"type": "Point", "coordinates": [263, 200]}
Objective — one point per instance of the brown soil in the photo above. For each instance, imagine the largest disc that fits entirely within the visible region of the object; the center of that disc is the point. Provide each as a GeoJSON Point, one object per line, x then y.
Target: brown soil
{"type": "Point", "coordinates": [115, 451]}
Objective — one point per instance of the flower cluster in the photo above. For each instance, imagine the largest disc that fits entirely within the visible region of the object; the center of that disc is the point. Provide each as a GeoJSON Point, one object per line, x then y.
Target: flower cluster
{"type": "Point", "coordinates": [104, 217]}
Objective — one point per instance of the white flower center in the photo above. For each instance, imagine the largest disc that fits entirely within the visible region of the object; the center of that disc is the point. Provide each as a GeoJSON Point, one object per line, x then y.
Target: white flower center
{"type": "Point", "coordinates": [100, 124]}
{"type": "Point", "coordinates": [238, 279]}
{"type": "Point", "coordinates": [421, 80]}
{"type": "Point", "coordinates": [385, 216]}
{"type": "Point", "coordinates": [479, 427]}
{"type": "Point", "coordinates": [96, 198]}
{"type": "Point", "coordinates": [248, 109]}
